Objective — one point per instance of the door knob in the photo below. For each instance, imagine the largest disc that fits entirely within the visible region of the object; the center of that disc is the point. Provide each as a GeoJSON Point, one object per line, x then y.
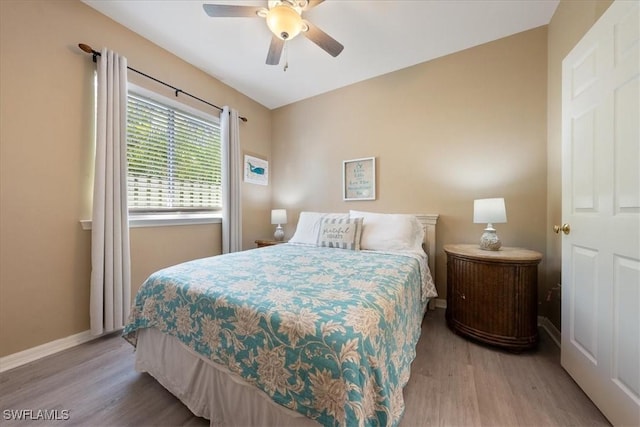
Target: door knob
{"type": "Point", "coordinates": [566, 229]}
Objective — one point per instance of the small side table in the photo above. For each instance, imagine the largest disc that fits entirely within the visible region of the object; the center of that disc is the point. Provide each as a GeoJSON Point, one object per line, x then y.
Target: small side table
{"type": "Point", "coordinates": [492, 296]}
{"type": "Point", "coordinates": [262, 243]}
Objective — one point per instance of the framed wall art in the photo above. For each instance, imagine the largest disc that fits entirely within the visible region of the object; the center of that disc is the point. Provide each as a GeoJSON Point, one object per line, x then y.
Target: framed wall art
{"type": "Point", "coordinates": [359, 179]}
{"type": "Point", "coordinates": [256, 171]}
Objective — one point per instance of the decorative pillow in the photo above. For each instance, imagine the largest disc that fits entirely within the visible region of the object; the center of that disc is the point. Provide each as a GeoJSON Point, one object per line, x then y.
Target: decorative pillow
{"type": "Point", "coordinates": [309, 226]}
{"type": "Point", "coordinates": [390, 232]}
{"type": "Point", "coordinates": [343, 233]}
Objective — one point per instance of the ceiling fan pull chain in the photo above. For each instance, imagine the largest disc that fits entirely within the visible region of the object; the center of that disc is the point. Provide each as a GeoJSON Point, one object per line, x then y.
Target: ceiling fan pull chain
{"type": "Point", "coordinates": [286, 57]}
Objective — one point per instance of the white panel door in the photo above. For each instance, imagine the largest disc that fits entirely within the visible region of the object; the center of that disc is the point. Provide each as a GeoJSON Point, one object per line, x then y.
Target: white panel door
{"type": "Point", "coordinates": [601, 204]}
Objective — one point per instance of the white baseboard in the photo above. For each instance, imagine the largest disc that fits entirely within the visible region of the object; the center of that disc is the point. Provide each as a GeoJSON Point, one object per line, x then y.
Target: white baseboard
{"type": "Point", "coordinates": [551, 329]}
{"type": "Point", "coordinates": [29, 355]}
{"type": "Point", "coordinates": [437, 303]}
{"type": "Point", "coordinates": [23, 357]}
{"type": "Point", "coordinates": [441, 303]}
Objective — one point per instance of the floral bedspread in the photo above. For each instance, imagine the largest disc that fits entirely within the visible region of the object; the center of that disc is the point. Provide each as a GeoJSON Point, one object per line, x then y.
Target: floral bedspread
{"type": "Point", "coordinates": [329, 333]}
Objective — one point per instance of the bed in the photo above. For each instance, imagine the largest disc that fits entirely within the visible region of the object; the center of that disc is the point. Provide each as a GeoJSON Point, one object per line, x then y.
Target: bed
{"type": "Point", "coordinates": [303, 333]}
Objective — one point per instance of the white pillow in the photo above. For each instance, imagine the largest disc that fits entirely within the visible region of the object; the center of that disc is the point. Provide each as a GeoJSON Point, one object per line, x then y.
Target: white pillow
{"type": "Point", "coordinates": [343, 233]}
{"type": "Point", "coordinates": [309, 226]}
{"type": "Point", "coordinates": [389, 232]}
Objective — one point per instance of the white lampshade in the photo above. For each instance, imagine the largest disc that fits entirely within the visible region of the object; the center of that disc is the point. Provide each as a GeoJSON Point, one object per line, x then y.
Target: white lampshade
{"type": "Point", "coordinates": [489, 211]}
{"type": "Point", "coordinates": [279, 216]}
{"type": "Point", "coordinates": [284, 22]}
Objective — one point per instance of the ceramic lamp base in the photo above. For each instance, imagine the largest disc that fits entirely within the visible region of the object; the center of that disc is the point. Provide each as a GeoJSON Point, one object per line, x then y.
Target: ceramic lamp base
{"type": "Point", "coordinates": [278, 236]}
{"type": "Point", "coordinates": [490, 240]}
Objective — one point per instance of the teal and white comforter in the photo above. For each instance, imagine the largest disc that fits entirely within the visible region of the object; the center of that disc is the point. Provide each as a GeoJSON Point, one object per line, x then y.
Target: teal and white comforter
{"type": "Point", "coordinates": [329, 333]}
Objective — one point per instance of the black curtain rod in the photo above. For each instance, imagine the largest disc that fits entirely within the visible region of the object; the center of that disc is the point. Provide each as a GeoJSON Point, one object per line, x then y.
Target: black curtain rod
{"type": "Point", "coordinates": [95, 53]}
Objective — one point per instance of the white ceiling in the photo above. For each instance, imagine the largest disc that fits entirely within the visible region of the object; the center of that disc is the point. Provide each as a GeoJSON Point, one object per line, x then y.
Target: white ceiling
{"type": "Point", "coordinates": [379, 36]}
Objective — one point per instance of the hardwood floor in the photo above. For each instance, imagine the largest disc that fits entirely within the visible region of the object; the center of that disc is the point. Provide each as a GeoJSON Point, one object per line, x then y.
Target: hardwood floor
{"type": "Point", "coordinates": [454, 382]}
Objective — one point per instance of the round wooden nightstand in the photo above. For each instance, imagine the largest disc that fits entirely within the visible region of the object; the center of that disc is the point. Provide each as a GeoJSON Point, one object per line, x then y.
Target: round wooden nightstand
{"type": "Point", "coordinates": [492, 296]}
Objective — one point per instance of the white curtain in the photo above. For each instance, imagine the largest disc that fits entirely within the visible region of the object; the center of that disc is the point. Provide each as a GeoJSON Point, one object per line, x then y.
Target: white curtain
{"type": "Point", "coordinates": [231, 181]}
{"type": "Point", "coordinates": [110, 259]}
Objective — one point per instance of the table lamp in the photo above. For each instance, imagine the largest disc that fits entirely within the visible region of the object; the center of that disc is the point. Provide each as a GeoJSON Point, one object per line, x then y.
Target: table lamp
{"type": "Point", "coordinates": [490, 211]}
{"type": "Point", "coordinates": [279, 217]}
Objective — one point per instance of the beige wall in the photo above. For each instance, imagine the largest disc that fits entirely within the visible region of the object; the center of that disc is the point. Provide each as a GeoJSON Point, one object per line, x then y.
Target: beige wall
{"type": "Point", "coordinates": [479, 123]}
{"type": "Point", "coordinates": [46, 166]}
{"type": "Point", "coordinates": [570, 22]}
{"type": "Point", "coordinates": [469, 125]}
{"type": "Point", "coordinates": [153, 248]}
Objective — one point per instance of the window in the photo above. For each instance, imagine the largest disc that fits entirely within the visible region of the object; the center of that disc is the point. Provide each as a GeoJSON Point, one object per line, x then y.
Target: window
{"type": "Point", "coordinates": [174, 158]}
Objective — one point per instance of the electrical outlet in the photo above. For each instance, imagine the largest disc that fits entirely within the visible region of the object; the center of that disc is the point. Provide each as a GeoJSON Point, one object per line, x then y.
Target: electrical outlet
{"type": "Point", "coordinates": [557, 288]}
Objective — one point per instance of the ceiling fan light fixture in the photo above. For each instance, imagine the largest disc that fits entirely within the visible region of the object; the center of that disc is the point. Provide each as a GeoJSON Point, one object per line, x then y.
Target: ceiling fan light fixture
{"type": "Point", "coordinates": [284, 21]}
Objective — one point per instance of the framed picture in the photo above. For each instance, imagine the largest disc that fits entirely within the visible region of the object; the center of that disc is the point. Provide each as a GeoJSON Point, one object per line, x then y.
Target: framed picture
{"type": "Point", "coordinates": [256, 171]}
{"type": "Point", "coordinates": [359, 179]}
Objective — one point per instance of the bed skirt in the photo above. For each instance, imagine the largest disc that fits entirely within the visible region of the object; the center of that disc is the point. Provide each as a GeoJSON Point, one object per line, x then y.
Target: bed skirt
{"type": "Point", "coordinates": [207, 389]}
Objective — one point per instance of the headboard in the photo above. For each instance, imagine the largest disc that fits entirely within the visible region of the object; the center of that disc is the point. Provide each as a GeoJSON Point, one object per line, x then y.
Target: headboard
{"type": "Point", "coordinates": [428, 222]}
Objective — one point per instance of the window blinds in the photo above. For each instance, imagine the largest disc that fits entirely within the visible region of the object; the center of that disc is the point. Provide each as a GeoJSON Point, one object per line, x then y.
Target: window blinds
{"type": "Point", "coordinates": [174, 159]}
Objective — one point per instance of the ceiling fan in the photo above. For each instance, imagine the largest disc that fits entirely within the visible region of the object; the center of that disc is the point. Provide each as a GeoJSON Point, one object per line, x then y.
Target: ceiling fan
{"type": "Point", "coordinates": [284, 19]}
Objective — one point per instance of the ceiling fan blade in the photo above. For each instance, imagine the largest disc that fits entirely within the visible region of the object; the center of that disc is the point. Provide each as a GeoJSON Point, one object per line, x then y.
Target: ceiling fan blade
{"type": "Point", "coordinates": [230, 11]}
{"type": "Point", "coordinates": [322, 39]}
{"type": "Point", "coordinates": [275, 50]}
{"type": "Point", "coordinates": [312, 3]}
